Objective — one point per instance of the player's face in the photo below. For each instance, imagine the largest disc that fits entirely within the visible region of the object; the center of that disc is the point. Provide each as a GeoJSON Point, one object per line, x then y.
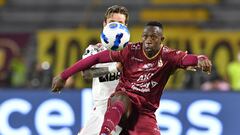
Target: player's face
{"type": "Point", "coordinates": [152, 38]}
{"type": "Point", "coordinates": [115, 17]}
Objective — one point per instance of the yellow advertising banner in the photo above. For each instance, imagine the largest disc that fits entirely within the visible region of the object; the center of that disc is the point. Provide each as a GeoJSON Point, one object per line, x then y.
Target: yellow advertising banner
{"type": "Point", "coordinates": [2, 2]}
{"type": "Point", "coordinates": [64, 47]}
{"type": "Point", "coordinates": [2, 58]}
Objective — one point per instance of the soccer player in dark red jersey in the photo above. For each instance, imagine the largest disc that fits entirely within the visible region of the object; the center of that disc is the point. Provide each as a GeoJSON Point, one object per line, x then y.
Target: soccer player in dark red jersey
{"type": "Point", "coordinates": [147, 67]}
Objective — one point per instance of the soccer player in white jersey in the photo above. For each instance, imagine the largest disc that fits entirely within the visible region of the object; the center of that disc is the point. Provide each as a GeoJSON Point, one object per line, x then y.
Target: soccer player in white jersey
{"type": "Point", "coordinates": [105, 77]}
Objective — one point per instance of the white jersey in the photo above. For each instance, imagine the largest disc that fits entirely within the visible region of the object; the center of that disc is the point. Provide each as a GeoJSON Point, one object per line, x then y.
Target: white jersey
{"type": "Point", "coordinates": [94, 123]}
{"type": "Point", "coordinates": [104, 86]}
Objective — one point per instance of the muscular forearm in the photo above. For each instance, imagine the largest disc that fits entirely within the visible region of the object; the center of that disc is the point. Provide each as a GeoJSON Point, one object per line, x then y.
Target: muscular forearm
{"type": "Point", "coordinates": [86, 63]}
{"type": "Point", "coordinates": [95, 72]}
{"type": "Point", "coordinates": [100, 71]}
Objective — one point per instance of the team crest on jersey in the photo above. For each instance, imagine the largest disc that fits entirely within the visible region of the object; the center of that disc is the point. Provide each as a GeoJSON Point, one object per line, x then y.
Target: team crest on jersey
{"type": "Point", "coordinates": [160, 63]}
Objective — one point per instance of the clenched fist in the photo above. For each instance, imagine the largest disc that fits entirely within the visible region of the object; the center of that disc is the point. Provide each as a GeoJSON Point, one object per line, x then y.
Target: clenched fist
{"type": "Point", "coordinates": [57, 84]}
{"type": "Point", "coordinates": [204, 63]}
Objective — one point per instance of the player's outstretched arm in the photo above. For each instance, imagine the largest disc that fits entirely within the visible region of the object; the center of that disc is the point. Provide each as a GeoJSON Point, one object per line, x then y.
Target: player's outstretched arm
{"type": "Point", "coordinates": [57, 84]}
{"type": "Point", "coordinates": [81, 65]}
{"type": "Point", "coordinates": [95, 72]}
{"type": "Point", "coordinates": [100, 71]}
{"type": "Point", "coordinates": [194, 62]}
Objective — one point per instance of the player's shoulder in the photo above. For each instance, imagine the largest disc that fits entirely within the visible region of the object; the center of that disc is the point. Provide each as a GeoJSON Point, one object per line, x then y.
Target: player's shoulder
{"type": "Point", "coordinates": [97, 46]}
{"type": "Point", "coordinates": [168, 52]}
{"type": "Point", "coordinates": [166, 49]}
{"type": "Point", "coordinates": [93, 49]}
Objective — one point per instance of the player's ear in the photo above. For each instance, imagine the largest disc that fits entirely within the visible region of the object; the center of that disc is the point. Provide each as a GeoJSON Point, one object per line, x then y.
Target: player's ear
{"type": "Point", "coordinates": [104, 23]}
{"type": "Point", "coordinates": [162, 38]}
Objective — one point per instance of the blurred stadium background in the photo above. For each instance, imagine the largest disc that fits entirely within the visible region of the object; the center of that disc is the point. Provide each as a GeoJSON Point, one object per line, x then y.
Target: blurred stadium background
{"type": "Point", "coordinates": [38, 39]}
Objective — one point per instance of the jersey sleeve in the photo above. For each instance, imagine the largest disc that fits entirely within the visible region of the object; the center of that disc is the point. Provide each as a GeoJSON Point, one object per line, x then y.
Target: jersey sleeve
{"type": "Point", "coordinates": [120, 56]}
{"type": "Point", "coordinates": [179, 59]}
{"type": "Point", "coordinates": [83, 64]}
{"type": "Point", "coordinates": [91, 50]}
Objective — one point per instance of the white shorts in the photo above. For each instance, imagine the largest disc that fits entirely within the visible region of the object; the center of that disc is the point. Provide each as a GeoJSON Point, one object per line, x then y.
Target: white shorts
{"type": "Point", "coordinates": [94, 123]}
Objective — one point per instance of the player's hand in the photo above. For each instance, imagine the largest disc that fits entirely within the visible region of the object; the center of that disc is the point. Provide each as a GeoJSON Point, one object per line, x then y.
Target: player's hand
{"type": "Point", "coordinates": [119, 67]}
{"type": "Point", "coordinates": [191, 68]}
{"type": "Point", "coordinates": [204, 63]}
{"type": "Point", "coordinates": [57, 84]}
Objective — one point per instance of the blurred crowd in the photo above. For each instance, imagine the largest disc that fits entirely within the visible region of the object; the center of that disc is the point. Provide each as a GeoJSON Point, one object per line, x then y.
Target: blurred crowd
{"type": "Point", "coordinates": [38, 75]}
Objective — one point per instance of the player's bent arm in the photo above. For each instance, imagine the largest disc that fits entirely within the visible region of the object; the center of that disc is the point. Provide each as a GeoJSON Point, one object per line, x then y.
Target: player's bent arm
{"type": "Point", "coordinates": [81, 65]}
{"type": "Point", "coordinates": [100, 71]}
{"type": "Point", "coordinates": [191, 62]}
{"type": "Point", "coordinates": [95, 72]}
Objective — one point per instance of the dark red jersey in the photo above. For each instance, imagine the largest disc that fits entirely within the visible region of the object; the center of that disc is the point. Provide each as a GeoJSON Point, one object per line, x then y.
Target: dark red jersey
{"type": "Point", "coordinates": [143, 78]}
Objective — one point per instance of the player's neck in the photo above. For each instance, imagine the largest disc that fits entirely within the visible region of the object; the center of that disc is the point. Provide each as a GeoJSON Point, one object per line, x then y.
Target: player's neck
{"type": "Point", "coordinates": [152, 54]}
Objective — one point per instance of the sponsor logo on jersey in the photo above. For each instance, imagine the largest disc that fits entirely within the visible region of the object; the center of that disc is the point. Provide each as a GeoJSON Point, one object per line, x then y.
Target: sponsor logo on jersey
{"type": "Point", "coordinates": [145, 77]}
{"type": "Point", "coordinates": [136, 59]}
{"type": "Point", "coordinates": [144, 87]}
{"type": "Point", "coordinates": [147, 67]}
{"type": "Point", "coordinates": [153, 84]}
{"type": "Point", "coordinates": [109, 77]}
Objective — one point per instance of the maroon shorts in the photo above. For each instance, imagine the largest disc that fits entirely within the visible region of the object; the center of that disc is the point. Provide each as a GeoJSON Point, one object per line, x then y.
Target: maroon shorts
{"type": "Point", "coordinates": [139, 121]}
{"type": "Point", "coordinates": [145, 125]}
